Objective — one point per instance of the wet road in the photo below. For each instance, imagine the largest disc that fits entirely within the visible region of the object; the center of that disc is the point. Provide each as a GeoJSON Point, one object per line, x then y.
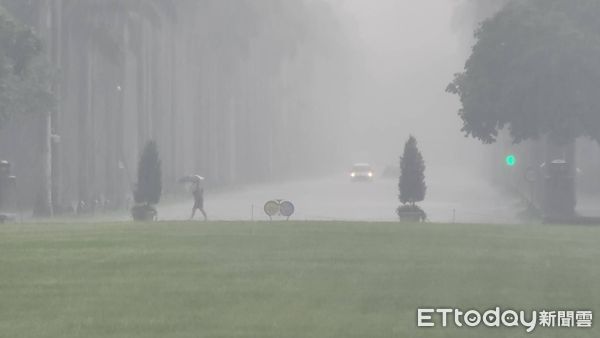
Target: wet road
{"type": "Point", "coordinates": [336, 198]}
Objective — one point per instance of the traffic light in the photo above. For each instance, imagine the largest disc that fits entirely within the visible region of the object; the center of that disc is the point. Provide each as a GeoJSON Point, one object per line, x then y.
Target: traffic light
{"type": "Point", "coordinates": [510, 160]}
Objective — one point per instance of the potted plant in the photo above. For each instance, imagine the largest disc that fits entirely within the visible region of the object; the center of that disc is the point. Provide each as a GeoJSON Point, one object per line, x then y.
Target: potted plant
{"type": "Point", "coordinates": [412, 183]}
{"type": "Point", "coordinates": [411, 213]}
{"type": "Point", "coordinates": [148, 188]}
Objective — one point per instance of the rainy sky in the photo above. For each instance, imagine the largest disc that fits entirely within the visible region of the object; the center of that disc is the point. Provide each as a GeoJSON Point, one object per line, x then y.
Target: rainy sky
{"type": "Point", "coordinates": [411, 49]}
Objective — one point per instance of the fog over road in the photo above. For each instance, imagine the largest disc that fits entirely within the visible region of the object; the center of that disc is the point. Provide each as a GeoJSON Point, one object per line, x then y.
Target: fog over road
{"type": "Point", "coordinates": [336, 198]}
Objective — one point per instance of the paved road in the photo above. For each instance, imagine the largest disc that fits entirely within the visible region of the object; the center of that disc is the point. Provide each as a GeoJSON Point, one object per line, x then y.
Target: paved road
{"type": "Point", "coordinates": [336, 198]}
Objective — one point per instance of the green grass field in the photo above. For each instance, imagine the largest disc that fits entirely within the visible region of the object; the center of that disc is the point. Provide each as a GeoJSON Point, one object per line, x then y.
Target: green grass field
{"type": "Point", "coordinates": [291, 279]}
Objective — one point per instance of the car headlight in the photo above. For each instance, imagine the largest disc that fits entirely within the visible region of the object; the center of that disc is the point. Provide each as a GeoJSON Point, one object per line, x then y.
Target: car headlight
{"type": "Point", "coordinates": [352, 174]}
{"type": "Point", "coordinates": [370, 174]}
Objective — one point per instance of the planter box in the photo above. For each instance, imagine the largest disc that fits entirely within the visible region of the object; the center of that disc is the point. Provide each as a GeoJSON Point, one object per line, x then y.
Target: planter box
{"type": "Point", "coordinates": [143, 213]}
{"type": "Point", "coordinates": [411, 216]}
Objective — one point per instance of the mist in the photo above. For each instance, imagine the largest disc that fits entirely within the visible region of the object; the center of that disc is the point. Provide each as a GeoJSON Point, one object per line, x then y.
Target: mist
{"type": "Point", "coordinates": [247, 94]}
{"type": "Point", "coordinates": [411, 51]}
{"type": "Point", "coordinates": [299, 168]}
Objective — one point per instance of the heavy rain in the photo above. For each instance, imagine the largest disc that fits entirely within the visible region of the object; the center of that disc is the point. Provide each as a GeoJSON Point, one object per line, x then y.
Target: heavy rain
{"type": "Point", "coordinates": [377, 134]}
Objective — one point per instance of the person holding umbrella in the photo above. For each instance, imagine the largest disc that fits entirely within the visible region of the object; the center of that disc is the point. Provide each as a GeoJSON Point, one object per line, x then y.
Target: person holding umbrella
{"type": "Point", "coordinates": [197, 192]}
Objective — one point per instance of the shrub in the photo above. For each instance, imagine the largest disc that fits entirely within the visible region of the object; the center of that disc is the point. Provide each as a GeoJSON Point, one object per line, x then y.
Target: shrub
{"type": "Point", "coordinates": [149, 185]}
{"type": "Point", "coordinates": [412, 174]}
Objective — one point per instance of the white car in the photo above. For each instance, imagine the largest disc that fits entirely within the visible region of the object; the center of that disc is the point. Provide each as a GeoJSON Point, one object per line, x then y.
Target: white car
{"type": "Point", "coordinates": [361, 172]}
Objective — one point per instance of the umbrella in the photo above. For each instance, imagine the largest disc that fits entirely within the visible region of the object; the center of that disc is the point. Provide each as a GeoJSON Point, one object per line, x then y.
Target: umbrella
{"type": "Point", "coordinates": [191, 179]}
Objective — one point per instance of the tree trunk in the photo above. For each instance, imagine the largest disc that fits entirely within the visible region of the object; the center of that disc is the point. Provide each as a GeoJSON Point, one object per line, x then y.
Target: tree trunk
{"type": "Point", "coordinates": [55, 47]}
{"type": "Point", "coordinates": [44, 204]}
{"type": "Point", "coordinates": [559, 181]}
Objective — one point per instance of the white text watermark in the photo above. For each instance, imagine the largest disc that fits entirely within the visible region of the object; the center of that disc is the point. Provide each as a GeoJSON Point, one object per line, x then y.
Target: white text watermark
{"type": "Point", "coordinates": [497, 317]}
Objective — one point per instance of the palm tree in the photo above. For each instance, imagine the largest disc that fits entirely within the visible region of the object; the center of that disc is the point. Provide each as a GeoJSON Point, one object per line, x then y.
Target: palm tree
{"type": "Point", "coordinates": [107, 30]}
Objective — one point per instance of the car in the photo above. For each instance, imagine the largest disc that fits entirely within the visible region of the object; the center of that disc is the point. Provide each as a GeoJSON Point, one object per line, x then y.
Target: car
{"type": "Point", "coordinates": [361, 172]}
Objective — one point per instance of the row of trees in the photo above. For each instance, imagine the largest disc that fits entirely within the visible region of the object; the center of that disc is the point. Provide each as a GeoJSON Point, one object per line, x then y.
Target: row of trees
{"type": "Point", "coordinates": [228, 89]}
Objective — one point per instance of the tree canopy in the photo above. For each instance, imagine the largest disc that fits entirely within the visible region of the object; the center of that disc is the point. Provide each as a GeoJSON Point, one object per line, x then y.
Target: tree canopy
{"type": "Point", "coordinates": [534, 70]}
{"type": "Point", "coordinates": [24, 80]}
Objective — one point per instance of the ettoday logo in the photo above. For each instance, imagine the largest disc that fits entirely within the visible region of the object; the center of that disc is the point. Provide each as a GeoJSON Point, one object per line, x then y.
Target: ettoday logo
{"type": "Point", "coordinates": [497, 317]}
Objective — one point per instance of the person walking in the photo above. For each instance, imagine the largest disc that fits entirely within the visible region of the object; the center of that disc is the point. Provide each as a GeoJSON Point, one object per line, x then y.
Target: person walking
{"type": "Point", "coordinates": [198, 193]}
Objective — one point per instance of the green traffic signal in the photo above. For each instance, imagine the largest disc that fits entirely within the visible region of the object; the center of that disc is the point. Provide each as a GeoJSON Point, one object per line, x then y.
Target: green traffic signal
{"type": "Point", "coordinates": [511, 160]}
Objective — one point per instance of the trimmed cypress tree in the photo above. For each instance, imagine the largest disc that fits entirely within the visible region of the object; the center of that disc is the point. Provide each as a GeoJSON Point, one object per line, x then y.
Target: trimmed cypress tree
{"type": "Point", "coordinates": [412, 174]}
{"type": "Point", "coordinates": [149, 185]}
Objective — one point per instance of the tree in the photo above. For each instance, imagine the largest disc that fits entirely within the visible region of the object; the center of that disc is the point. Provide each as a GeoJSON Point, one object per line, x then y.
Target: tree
{"type": "Point", "coordinates": [412, 174]}
{"type": "Point", "coordinates": [209, 80]}
{"type": "Point", "coordinates": [149, 185]}
{"type": "Point", "coordinates": [24, 79]}
{"type": "Point", "coordinates": [113, 35]}
{"type": "Point", "coordinates": [25, 87]}
{"type": "Point", "coordinates": [535, 70]}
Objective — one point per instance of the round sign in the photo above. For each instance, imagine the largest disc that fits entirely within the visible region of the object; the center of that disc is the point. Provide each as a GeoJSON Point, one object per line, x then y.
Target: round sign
{"type": "Point", "coordinates": [271, 208]}
{"type": "Point", "coordinates": [286, 208]}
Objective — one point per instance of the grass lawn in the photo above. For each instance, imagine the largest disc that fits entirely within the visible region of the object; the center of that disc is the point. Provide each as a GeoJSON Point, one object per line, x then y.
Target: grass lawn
{"type": "Point", "coordinates": [290, 279]}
